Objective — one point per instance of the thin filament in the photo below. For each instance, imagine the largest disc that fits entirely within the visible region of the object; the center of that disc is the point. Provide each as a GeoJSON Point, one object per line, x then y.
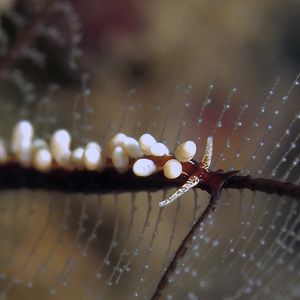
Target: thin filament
{"type": "Point", "coordinates": [190, 183]}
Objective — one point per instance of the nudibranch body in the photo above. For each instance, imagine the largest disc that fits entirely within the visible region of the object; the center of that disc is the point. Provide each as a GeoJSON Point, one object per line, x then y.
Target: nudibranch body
{"type": "Point", "coordinates": [144, 157]}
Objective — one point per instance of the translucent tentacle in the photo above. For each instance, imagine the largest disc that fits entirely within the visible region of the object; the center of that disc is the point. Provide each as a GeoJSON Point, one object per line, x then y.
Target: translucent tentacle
{"type": "Point", "coordinates": [206, 161]}
{"type": "Point", "coordinates": [190, 183]}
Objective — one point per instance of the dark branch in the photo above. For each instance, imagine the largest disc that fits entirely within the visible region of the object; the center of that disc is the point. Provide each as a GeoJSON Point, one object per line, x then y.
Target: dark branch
{"type": "Point", "coordinates": [14, 176]}
{"type": "Point", "coordinates": [164, 281]}
{"type": "Point", "coordinates": [269, 186]}
{"type": "Point", "coordinates": [237, 182]}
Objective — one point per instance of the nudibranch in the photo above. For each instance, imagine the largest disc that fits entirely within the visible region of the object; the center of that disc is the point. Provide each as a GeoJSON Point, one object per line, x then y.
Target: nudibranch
{"type": "Point", "coordinates": [144, 157]}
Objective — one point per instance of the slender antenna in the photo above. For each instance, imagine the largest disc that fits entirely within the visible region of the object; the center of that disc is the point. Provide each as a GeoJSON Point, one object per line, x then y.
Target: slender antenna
{"type": "Point", "coordinates": [206, 161]}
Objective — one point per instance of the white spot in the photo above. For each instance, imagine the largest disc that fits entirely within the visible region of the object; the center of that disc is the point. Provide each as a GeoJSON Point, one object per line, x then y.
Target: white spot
{"type": "Point", "coordinates": [60, 147]}
{"type": "Point", "coordinates": [120, 159]}
{"type": "Point", "coordinates": [77, 158]}
{"type": "Point", "coordinates": [21, 142]}
{"type": "Point", "coordinates": [23, 131]}
{"type": "Point", "coordinates": [159, 149]}
{"type": "Point", "coordinates": [172, 169]}
{"type": "Point", "coordinates": [143, 167]}
{"type": "Point", "coordinates": [186, 151]}
{"type": "Point", "coordinates": [23, 154]}
{"type": "Point", "coordinates": [92, 157]}
{"type": "Point", "coordinates": [93, 145]}
{"type": "Point", "coordinates": [42, 160]}
{"type": "Point", "coordinates": [117, 140]}
{"type": "Point", "coordinates": [146, 141]}
{"type": "Point", "coordinates": [132, 147]}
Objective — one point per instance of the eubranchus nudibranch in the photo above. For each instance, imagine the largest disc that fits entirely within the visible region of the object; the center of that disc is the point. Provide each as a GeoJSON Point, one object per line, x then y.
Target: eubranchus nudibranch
{"type": "Point", "coordinates": [144, 157]}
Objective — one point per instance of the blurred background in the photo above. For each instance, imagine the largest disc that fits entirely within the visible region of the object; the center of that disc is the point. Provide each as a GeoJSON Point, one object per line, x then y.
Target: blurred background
{"type": "Point", "coordinates": [179, 70]}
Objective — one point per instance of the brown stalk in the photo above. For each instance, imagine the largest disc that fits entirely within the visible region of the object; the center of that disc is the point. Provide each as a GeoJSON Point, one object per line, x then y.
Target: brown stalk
{"type": "Point", "coordinates": [13, 176]}
{"type": "Point", "coordinates": [182, 249]}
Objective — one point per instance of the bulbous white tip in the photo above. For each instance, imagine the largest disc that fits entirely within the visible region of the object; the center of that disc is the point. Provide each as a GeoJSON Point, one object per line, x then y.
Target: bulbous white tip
{"type": "Point", "coordinates": [24, 153]}
{"type": "Point", "coordinates": [132, 147]}
{"type": "Point", "coordinates": [93, 145]}
{"type": "Point", "coordinates": [60, 142]}
{"type": "Point", "coordinates": [159, 149]}
{"type": "Point", "coordinates": [143, 167]}
{"type": "Point", "coordinates": [117, 140]}
{"type": "Point", "coordinates": [146, 141]}
{"type": "Point", "coordinates": [42, 160]}
{"type": "Point", "coordinates": [22, 135]}
{"type": "Point", "coordinates": [77, 158]}
{"type": "Point", "coordinates": [120, 159]}
{"type": "Point", "coordinates": [186, 151]}
{"type": "Point", "coordinates": [60, 147]}
{"type": "Point", "coordinates": [92, 156]}
{"type": "Point", "coordinates": [172, 169]}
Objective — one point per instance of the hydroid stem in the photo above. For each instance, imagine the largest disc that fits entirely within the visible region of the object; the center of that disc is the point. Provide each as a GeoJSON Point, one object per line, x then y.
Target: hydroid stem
{"type": "Point", "coordinates": [14, 176]}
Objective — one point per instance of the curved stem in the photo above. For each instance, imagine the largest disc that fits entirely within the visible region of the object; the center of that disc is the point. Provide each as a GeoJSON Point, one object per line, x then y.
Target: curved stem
{"type": "Point", "coordinates": [238, 182]}
{"type": "Point", "coordinates": [13, 177]}
{"type": "Point", "coordinates": [182, 249]}
{"type": "Point", "coordinates": [269, 186]}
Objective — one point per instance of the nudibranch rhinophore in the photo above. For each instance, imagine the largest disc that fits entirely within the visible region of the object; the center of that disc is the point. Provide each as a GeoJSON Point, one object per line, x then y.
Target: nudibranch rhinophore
{"type": "Point", "coordinates": [144, 157]}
